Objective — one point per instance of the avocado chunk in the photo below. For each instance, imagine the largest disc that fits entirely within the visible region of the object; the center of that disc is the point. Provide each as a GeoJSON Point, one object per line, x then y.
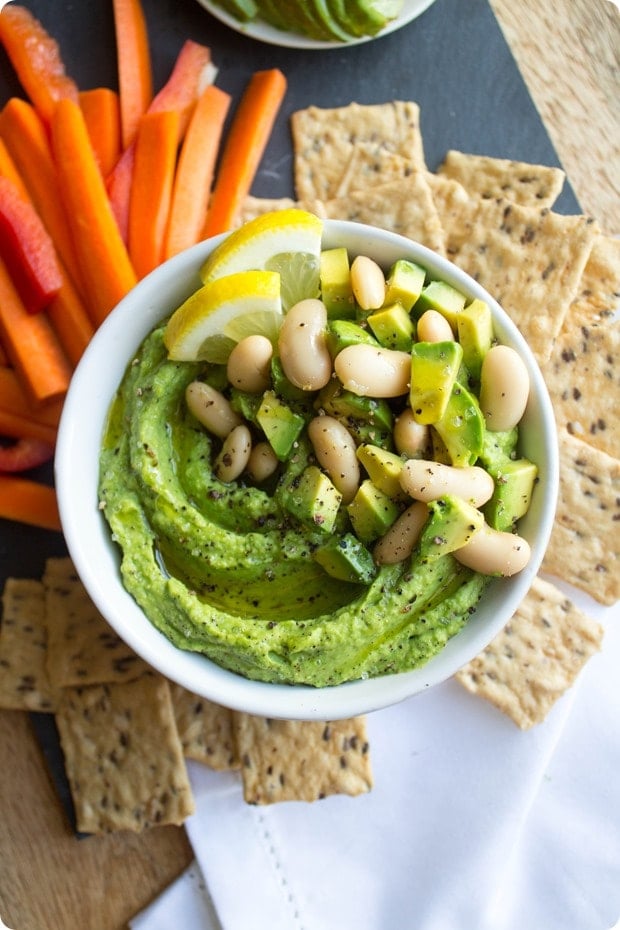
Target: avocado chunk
{"type": "Point", "coordinates": [404, 282]}
{"type": "Point", "coordinates": [280, 424]}
{"type": "Point", "coordinates": [393, 327]}
{"type": "Point", "coordinates": [343, 333]}
{"type": "Point", "coordinates": [451, 524]}
{"type": "Point", "coordinates": [313, 500]}
{"type": "Point", "coordinates": [346, 558]}
{"type": "Point", "coordinates": [440, 296]}
{"type": "Point", "coordinates": [434, 368]}
{"type": "Point", "coordinates": [281, 384]}
{"type": "Point", "coordinates": [383, 469]}
{"type": "Point", "coordinates": [514, 484]}
{"type": "Point", "coordinates": [462, 427]}
{"type": "Point", "coordinates": [245, 404]}
{"type": "Point", "coordinates": [368, 419]}
{"type": "Point", "coordinates": [371, 512]}
{"type": "Point", "coordinates": [335, 278]}
{"type": "Point", "coordinates": [475, 331]}
{"type": "Point", "coordinates": [498, 447]}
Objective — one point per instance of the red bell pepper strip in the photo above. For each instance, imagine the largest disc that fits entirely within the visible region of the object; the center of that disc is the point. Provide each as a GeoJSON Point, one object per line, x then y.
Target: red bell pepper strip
{"type": "Point", "coordinates": [27, 250]}
{"type": "Point", "coordinates": [23, 454]}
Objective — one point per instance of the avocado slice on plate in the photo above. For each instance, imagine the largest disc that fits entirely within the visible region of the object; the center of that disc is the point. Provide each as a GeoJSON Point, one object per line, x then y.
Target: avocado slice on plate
{"type": "Point", "coordinates": [300, 17]}
{"type": "Point", "coordinates": [364, 17]}
{"type": "Point", "coordinates": [324, 15]}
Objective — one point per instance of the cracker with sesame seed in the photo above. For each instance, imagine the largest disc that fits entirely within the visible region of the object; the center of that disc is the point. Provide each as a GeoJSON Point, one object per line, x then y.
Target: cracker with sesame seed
{"type": "Point", "coordinates": [292, 760]}
{"type": "Point", "coordinates": [598, 297]}
{"type": "Point", "coordinates": [536, 657]}
{"type": "Point", "coordinates": [123, 756]}
{"type": "Point", "coordinates": [205, 729]}
{"type": "Point", "coordinates": [24, 680]}
{"type": "Point", "coordinates": [491, 178]}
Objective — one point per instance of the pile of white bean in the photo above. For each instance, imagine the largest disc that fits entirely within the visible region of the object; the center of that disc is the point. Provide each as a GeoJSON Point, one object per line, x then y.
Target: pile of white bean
{"type": "Point", "coordinates": [374, 372]}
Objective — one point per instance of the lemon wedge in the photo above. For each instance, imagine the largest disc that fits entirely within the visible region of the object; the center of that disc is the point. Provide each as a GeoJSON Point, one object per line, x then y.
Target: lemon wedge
{"type": "Point", "coordinates": [219, 314]}
{"type": "Point", "coordinates": [257, 243]}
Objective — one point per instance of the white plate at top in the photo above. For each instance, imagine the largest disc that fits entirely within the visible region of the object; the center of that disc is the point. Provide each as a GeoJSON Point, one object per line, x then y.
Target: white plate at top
{"type": "Point", "coordinates": [263, 32]}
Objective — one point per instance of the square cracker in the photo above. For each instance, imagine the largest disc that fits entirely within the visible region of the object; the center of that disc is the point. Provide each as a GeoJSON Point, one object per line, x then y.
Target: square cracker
{"type": "Point", "coordinates": [82, 647]}
{"type": "Point", "coordinates": [584, 549]}
{"type": "Point", "coordinates": [24, 681]}
{"type": "Point", "coordinates": [205, 729]}
{"type": "Point", "coordinates": [289, 760]}
{"type": "Point", "coordinates": [324, 139]}
{"type": "Point", "coordinates": [598, 298]}
{"type": "Point", "coordinates": [490, 178]}
{"type": "Point", "coordinates": [530, 259]}
{"type": "Point", "coordinates": [536, 657]}
{"type": "Point", "coordinates": [449, 198]}
{"type": "Point", "coordinates": [123, 756]}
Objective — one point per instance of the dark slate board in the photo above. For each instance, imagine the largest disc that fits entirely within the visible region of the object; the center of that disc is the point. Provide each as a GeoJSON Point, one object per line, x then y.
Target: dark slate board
{"type": "Point", "coordinates": [453, 61]}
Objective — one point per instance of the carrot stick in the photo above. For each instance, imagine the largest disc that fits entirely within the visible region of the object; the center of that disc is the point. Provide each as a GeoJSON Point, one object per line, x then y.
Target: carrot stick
{"type": "Point", "coordinates": [14, 399]}
{"type": "Point", "coordinates": [28, 501]}
{"type": "Point", "coordinates": [26, 138]}
{"type": "Point", "coordinates": [31, 345]}
{"type": "Point", "coordinates": [244, 148]}
{"type": "Point", "coordinates": [70, 321]}
{"type": "Point", "coordinates": [36, 59]}
{"type": "Point", "coordinates": [4, 359]}
{"type": "Point", "coordinates": [100, 107]}
{"type": "Point", "coordinates": [8, 170]}
{"type": "Point", "coordinates": [151, 188]}
{"type": "Point", "coordinates": [102, 254]}
{"type": "Point", "coordinates": [135, 79]}
{"type": "Point", "coordinates": [195, 169]}
{"type": "Point", "coordinates": [21, 428]}
{"type": "Point", "coordinates": [192, 72]}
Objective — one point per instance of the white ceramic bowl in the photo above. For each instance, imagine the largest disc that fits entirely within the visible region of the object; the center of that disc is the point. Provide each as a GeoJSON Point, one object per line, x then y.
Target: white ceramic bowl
{"type": "Point", "coordinates": [97, 559]}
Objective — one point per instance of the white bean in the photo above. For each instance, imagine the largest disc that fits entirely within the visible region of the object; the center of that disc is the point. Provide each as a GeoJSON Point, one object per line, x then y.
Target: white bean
{"type": "Point", "coordinates": [410, 437]}
{"type": "Point", "coordinates": [303, 346]}
{"type": "Point", "coordinates": [234, 454]}
{"type": "Point", "coordinates": [335, 451]}
{"type": "Point", "coordinates": [399, 541]}
{"type": "Point", "coordinates": [248, 366]}
{"type": "Point", "coordinates": [367, 283]}
{"type": "Point", "coordinates": [373, 372]}
{"type": "Point", "coordinates": [262, 462]}
{"type": "Point", "coordinates": [493, 552]}
{"type": "Point", "coordinates": [211, 409]}
{"type": "Point", "coordinates": [504, 388]}
{"type": "Point", "coordinates": [433, 327]}
{"type": "Point", "coordinates": [426, 480]}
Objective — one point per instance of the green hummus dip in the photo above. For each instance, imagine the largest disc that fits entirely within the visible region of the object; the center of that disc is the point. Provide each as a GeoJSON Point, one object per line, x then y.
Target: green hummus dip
{"type": "Point", "coordinates": [223, 570]}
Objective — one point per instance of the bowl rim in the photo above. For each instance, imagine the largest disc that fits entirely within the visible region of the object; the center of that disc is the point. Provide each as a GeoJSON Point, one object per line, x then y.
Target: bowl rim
{"type": "Point", "coordinates": [95, 557]}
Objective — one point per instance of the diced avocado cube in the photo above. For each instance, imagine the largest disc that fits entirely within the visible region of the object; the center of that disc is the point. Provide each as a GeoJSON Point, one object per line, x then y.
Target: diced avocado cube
{"type": "Point", "coordinates": [216, 376]}
{"type": "Point", "coordinates": [383, 469]}
{"type": "Point", "coordinates": [368, 419]}
{"type": "Point", "coordinates": [246, 405]}
{"type": "Point", "coordinates": [452, 522]}
{"type": "Point", "coordinates": [475, 331]}
{"type": "Point", "coordinates": [438, 295]}
{"type": "Point", "coordinates": [343, 333]}
{"type": "Point", "coordinates": [280, 424]}
{"type": "Point", "coordinates": [393, 327]}
{"type": "Point", "coordinates": [514, 484]}
{"type": "Point", "coordinates": [462, 427]}
{"type": "Point", "coordinates": [434, 368]}
{"type": "Point", "coordinates": [281, 384]}
{"type": "Point", "coordinates": [439, 449]}
{"type": "Point", "coordinates": [313, 499]}
{"type": "Point", "coordinates": [498, 447]}
{"type": "Point", "coordinates": [346, 558]}
{"type": "Point", "coordinates": [336, 290]}
{"type": "Point", "coordinates": [371, 512]}
{"type": "Point", "coordinates": [405, 281]}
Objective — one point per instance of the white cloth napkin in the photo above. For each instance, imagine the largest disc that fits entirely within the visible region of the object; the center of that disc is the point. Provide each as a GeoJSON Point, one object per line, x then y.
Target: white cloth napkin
{"type": "Point", "coordinates": [472, 823]}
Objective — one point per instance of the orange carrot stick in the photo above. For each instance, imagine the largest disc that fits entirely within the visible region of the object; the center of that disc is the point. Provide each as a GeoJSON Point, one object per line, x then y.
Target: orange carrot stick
{"type": "Point", "coordinates": [21, 428]}
{"type": "Point", "coordinates": [192, 72]}
{"type": "Point", "coordinates": [135, 79]}
{"type": "Point", "coordinates": [104, 261]}
{"type": "Point", "coordinates": [101, 109]}
{"type": "Point", "coordinates": [195, 170]}
{"type": "Point", "coordinates": [8, 170]}
{"type": "Point", "coordinates": [27, 501]}
{"type": "Point", "coordinates": [244, 148]}
{"type": "Point", "coordinates": [14, 399]}
{"type": "Point", "coordinates": [70, 321]}
{"type": "Point", "coordinates": [26, 138]}
{"type": "Point", "coordinates": [31, 345]}
{"type": "Point", "coordinates": [36, 59]}
{"type": "Point", "coordinates": [151, 188]}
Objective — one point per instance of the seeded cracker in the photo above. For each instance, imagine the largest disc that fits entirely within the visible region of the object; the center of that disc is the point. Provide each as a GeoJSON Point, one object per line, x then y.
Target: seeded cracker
{"type": "Point", "coordinates": [449, 198]}
{"type": "Point", "coordinates": [324, 139]}
{"type": "Point", "coordinates": [536, 657]}
{"type": "Point", "coordinates": [492, 178]}
{"type": "Point", "coordinates": [24, 681]}
{"type": "Point", "coordinates": [82, 647]}
{"type": "Point", "coordinates": [285, 760]}
{"type": "Point", "coordinates": [584, 549]}
{"type": "Point", "coordinates": [123, 756]}
{"type": "Point", "coordinates": [530, 259]}
{"type": "Point", "coordinates": [599, 290]}
{"type": "Point", "coordinates": [205, 729]}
